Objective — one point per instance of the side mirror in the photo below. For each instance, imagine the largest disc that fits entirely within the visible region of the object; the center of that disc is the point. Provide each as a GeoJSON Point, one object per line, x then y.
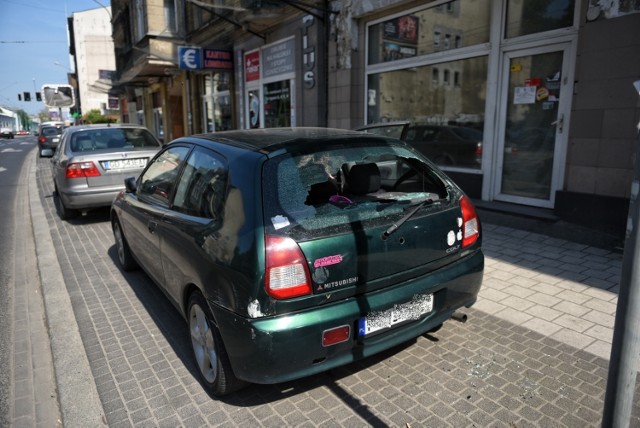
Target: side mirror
{"type": "Point", "coordinates": [131, 184]}
{"type": "Point", "coordinates": [46, 153]}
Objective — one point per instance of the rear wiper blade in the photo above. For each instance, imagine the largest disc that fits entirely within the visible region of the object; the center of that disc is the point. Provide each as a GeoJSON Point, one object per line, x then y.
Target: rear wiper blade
{"type": "Point", "coordinates": [403, 220]}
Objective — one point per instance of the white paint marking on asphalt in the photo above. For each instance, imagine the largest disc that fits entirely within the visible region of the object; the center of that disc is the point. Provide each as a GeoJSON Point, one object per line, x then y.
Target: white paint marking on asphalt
{"type": "Point", "coordinates": [10, 150]}
{"type": "Point", "coordinates": [2, 169]}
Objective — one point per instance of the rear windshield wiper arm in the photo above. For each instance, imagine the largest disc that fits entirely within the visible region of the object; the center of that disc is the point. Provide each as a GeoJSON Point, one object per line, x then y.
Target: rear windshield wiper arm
{"type": "Point", "coordinates": [403, 220]}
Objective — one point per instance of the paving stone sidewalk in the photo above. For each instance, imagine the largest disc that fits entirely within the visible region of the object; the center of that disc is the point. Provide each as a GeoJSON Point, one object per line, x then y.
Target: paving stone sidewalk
{"type": "Point", "coordinates": [533, 353]}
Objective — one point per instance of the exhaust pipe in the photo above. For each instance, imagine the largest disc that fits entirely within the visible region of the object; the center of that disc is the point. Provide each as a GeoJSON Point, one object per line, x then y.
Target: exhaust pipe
{"type": "Point", "coordinates": [459, 316]}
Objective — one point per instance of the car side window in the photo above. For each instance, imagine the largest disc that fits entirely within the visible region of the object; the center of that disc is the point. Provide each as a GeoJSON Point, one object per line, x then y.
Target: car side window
{"type": "Point", "coordinates": [202, 187]}
{"type": "Point", "coordinates": [159, 179]}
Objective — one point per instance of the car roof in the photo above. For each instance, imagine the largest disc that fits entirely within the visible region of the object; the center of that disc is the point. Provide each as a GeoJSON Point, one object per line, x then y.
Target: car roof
{"type": "Point", "coordinates": [270, 139]}
{"type": "Point", "coordinates": [104, 126]}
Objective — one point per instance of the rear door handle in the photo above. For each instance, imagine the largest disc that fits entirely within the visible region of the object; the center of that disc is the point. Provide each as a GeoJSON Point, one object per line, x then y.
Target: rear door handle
{"type": "Point", "coordinates": [152, 226]}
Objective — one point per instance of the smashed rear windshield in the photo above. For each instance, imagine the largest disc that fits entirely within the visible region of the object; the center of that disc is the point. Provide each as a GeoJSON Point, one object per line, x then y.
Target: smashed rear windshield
{"type": "Point", "coordinates": [337, 187]}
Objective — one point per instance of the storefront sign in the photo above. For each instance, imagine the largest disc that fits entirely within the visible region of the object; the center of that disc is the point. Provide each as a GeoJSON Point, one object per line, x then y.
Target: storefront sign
{"type": "Point", "coordinates": [278, 59]}
{"type": "Point", "coordinates": [217, 59]}
{"type": "Point", "coordinates": [252, 66]}
{"type": "Point", "coordinates": [308, 54]}
{"type": "Point", "coordinates": [189, 58]}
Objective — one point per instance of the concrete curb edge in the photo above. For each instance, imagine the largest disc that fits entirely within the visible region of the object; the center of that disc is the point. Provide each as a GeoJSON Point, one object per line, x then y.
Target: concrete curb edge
{"type": "Point", "coordinates": [80, 404]}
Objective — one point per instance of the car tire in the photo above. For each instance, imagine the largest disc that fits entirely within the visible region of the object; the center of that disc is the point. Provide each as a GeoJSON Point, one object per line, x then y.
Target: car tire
{"type": "Point", "coordinates": [127, 262]}
{"type": "Point", "coordinates": [209, 351]}
{"type": "Point", "coordinates": [63, 212]}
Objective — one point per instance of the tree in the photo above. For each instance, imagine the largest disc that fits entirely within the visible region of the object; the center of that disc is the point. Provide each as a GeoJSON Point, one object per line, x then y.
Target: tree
{"type": "Point", "coordinates": [44, 115]}
{"type": "Point", "coordinates": [94, 116]}
{"type": "Point", "coordinates": [24, 119]}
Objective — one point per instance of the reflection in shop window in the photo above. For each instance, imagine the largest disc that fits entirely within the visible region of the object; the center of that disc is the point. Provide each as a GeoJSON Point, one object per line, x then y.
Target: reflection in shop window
{"type": "Point", "coordinates": [453, 25]}
{"type": "Point", "coordinates": [447, 121]}
{"type": "Point", "coordinates": [529, 17]}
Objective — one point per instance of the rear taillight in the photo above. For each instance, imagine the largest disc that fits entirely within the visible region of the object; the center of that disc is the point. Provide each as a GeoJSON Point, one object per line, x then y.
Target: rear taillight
{"type": "Point", "coordinates": [42, 139]}
{"type": "Point", "coordinates": [470, 222]}
{"type": "Point", "coordinates": [287, 274]}
{"type": "Point", "coordinates": [478, 151]}
{"type": "Point", "coordinates": [81, 170]}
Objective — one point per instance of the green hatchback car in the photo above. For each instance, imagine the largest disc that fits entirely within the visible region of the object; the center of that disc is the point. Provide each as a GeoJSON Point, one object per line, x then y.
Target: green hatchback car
{"type": "Point", "coordinates": [293, 251]}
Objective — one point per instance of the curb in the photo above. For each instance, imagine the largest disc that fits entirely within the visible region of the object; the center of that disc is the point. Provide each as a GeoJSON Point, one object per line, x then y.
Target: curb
{"type": "Point", "coordinates": [78, 397]}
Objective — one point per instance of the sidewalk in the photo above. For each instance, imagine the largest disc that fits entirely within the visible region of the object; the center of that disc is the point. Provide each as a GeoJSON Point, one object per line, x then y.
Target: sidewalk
{"type": "Point", "coordinates": [533, 353]}
{"type": "Point", "coordinates": [561, 289]}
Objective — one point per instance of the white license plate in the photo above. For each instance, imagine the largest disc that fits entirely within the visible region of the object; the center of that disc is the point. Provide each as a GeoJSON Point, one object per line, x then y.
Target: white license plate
{"type": "Point", "coordinates": [56, 140]}
{"type": "Point", "coordinates": [420, 305]}
{"type": "Point", "coordinates": [124, 163]}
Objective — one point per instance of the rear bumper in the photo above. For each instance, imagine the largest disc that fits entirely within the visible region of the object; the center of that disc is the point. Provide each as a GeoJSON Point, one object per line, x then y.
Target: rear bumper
{"type": "Point", "coordinates": [90, 198]}
{"type": "Point", "coordinates": [48, 146]}
{"type": "Point", "coordinates": [279, 349]}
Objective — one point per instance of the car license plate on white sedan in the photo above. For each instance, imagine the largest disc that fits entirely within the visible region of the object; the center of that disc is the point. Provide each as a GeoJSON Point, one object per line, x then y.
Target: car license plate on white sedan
{"type": "Point", "coordinates": [420, 305]}
{"type": "Point", "coordinates": [124, 163]}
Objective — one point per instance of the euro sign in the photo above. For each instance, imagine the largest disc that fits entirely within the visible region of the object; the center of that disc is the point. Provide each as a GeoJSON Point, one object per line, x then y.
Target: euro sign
{"type": "Point", "coordinates": [189, 58]}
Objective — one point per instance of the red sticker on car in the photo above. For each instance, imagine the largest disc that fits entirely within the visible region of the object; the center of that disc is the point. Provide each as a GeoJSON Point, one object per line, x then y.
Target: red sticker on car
{"type": "Point", "coordinates": [327, 261]}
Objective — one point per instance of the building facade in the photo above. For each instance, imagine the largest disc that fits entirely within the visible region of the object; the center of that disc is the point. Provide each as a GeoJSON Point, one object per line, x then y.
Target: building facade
{"type": "Point", "coordinates": [526, 103]}
{"type": "Point", "coordinates": [91, 47]}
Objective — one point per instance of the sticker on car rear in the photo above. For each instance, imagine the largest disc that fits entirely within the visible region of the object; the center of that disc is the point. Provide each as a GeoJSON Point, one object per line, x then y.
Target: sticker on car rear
{"type": "Point", "coordinates": [420, 305]}
{"type": "Point", "coordinates": [279, 222]}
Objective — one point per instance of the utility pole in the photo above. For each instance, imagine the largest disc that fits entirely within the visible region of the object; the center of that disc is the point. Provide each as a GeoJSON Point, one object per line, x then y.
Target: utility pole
{"type": "Point", "coordinates": [625, 349]}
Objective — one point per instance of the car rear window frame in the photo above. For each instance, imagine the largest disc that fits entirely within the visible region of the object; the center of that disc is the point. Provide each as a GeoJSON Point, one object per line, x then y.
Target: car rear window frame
{"type": "Point", "coordinates": [280, 219]}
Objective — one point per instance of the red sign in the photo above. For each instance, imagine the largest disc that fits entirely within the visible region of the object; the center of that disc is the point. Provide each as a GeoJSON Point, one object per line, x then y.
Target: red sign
{"type": "Point", "coordinates": [252, 66]}
{"type": "Point", "coordinates": [217, 59]}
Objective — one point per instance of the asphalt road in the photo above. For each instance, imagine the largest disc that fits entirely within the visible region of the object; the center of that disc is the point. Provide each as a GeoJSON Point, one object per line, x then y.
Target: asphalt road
{"type": "Point", "coordinates": [13, 154]}
{"type": "Point", "coordinates": [27, 388]}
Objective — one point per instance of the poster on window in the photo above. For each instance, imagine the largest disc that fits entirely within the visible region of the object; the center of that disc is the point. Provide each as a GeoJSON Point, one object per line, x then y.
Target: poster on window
{"type": "Point", "coordinates": [277, 104]}
{"type": "Point", "coordinates": [400, 38]}
{"type": "Point", "coordinates": [403, 29]}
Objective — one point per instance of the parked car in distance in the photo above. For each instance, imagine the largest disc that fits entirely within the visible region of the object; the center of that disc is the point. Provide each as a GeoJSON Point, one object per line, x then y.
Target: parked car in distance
{"type": "Point", "coordinates": [291, 251]}
{"type": "Point", "coordinates": [92, 161]}
{"type": "Point", "coordinates": [6, 133]}
{"type": "Point", "coordinates": [49, 138]}
{"type": "Point", "coordinates": [450, 145]}
{"type": "Point", "coordinates": [49, 123]}
{"type": "Point", "coordinates": [22, 132]}
{"type": "Point", "coordinates": [459, 146]}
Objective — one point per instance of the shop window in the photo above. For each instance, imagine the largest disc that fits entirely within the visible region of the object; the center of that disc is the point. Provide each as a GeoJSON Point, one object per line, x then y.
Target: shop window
{"type": "Point", "coordinates": [447, 119]}
{"type": "Point", "coordinates": [528, 17]}
{"type": "Point", "coordinates": [277, 104]}
{"type": "Point", "coordinates": [216, 102]}
{"type": "Point", "coordinates": [466, 23]}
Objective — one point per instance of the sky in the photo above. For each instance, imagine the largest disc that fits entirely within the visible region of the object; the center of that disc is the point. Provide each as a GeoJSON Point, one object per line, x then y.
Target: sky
{"type": "Point", "coordinates": [34, 47]}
